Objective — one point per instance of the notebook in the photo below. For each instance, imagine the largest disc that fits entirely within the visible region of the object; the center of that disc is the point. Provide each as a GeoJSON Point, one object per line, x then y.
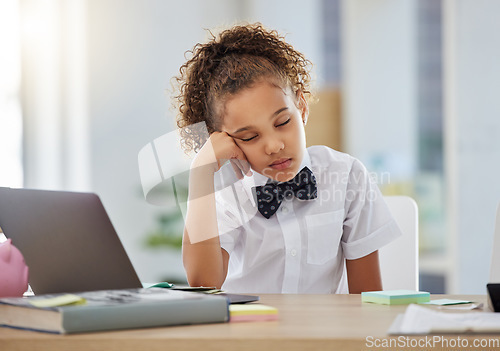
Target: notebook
{"type": "Point", "coordinates": [67, 240]}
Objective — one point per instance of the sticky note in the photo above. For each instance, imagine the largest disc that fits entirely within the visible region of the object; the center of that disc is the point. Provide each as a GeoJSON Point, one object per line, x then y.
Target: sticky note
{"type": "Point", "coordinates": [252, 312]}
{"type": "Point", "coordinates": [395, 297]}
{"type": "Point", "coordinates": [63, 300]}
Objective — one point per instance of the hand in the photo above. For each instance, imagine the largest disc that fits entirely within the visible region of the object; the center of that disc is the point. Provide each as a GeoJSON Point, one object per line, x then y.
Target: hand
{"type": "Point", "coordinates": [218, 149]}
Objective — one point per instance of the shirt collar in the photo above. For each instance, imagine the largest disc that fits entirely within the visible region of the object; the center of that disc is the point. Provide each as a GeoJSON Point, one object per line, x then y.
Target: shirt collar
{"type": "Point", "coordinates": [257, 179]}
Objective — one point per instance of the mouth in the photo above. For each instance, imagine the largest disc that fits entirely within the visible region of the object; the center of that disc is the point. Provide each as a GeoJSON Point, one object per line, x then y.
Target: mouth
{"type": "Point", "coordinates": [282, 163]}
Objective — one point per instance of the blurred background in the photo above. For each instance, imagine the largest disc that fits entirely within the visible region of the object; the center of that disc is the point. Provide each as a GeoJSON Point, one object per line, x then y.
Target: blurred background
{"type": "Point", "coordinates": [410, 87]}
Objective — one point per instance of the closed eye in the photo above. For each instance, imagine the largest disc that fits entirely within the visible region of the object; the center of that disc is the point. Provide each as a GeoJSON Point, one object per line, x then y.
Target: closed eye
{"type": "Point", "coordinates": [255, 136]}
{"type": "Point", "coordinates": [286, 122]}
{"type": "Point", "coordinates": [248, 139]}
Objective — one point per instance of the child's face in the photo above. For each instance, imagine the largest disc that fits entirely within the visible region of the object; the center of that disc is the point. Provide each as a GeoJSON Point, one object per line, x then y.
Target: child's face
{"type": "Point", "coordinates": [267, 125]}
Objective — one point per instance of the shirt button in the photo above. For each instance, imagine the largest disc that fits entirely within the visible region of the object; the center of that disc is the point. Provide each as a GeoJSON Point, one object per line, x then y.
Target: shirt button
{"type": "Point", "coordinates": [293, 252]}
{"type": "Point", "coordinates": [284, 209]}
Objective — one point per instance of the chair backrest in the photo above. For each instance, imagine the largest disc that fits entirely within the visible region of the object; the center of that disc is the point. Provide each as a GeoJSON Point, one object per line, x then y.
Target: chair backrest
{"type": "Point", "coordinates": [399, 259]}
{"type": "Point", "coordinates": [495, 257]}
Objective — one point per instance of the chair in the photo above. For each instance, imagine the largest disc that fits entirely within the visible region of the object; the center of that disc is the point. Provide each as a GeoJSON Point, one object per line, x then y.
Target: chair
{"type": "Point", "coordinates": [399, 259]}
{"type": "Point", "coordinates": [495, 257]}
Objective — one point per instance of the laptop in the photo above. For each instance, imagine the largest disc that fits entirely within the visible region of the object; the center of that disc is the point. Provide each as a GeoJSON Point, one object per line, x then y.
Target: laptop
{"type": "Point", "coordinates": [67, 240]}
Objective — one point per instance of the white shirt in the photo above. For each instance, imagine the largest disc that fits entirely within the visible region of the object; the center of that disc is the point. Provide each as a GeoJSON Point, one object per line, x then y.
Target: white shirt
{"type": "Point", "coordinates": [302, 248]}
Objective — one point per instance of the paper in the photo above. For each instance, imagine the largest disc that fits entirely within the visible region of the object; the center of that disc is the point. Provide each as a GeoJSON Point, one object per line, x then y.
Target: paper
{"type": "Point", "coordinates": [204, 289]}
{"type": "Point", "coordinates": [63, 300]}
{"type": "Point", "coordinates": [471, 306]}
{"type": "Point", "coordinates": [442, 302]}
{"type": "Point", "coordinates": [423, 320]}
{"type": "Point", "coordinates": [160, 285]}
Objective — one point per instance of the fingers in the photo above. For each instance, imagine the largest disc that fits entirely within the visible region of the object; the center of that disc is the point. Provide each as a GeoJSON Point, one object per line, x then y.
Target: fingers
{"type": "Point", "coordinates": [240, 159]}
{"type": "Point", "coordinates": [225, 148]}
{"type": "Point", "coordinates": [241, 165]}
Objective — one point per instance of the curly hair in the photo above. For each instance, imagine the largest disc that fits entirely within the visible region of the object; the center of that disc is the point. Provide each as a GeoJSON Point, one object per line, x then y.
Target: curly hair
{"type": "Point", "coordinates": [235, 59]}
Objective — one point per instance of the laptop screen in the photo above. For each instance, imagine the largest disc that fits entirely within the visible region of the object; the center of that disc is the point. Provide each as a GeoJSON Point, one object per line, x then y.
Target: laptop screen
{"type": "Point", "coordinates": [67, 240]}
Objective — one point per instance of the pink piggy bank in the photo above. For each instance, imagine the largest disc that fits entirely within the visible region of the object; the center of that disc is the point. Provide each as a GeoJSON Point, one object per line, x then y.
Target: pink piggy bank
{"type": "Point", "coordinates": [13, 271]}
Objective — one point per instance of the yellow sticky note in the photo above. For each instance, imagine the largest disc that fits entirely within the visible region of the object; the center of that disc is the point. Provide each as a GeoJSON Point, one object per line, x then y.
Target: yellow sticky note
{"type": "Point", "coordinates": [255, 309]}
{"type": "Point", "coordinates": [63, 300]}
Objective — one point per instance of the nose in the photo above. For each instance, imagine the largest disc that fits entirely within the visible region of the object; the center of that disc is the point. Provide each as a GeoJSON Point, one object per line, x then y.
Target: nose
{"type": "Point", "coordinates": [274, 145]}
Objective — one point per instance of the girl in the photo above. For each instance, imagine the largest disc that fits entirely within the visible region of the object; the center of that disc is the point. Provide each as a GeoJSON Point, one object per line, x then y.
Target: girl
{"type": "Point", "coordinates": [278, 217]}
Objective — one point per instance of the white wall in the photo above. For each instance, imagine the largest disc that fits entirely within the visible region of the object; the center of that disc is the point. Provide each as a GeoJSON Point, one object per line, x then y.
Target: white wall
{"type": "Point", "coordinates": [298, 20]}
{"type": "Point", "coordinates": [379, 84]}
{"type": "Point", "coordinates": [472, 124]}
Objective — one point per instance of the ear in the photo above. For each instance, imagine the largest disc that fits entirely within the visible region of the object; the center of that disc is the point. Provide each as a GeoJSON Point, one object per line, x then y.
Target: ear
{"type": "Point", "coordinates": [303, 106]}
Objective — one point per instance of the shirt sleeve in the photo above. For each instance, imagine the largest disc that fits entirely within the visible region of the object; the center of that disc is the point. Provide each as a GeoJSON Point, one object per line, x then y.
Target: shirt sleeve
{"type": "Point", "coordinates": [368, 224]}
{"type": "Point", "coordinates": [228, 218]}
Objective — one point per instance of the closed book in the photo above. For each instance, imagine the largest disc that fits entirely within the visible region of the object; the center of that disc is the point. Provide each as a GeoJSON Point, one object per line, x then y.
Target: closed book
{"type": "Point", "coordinates": [112, 310]}
{"type": "Point", "coordinates": [395, 297]}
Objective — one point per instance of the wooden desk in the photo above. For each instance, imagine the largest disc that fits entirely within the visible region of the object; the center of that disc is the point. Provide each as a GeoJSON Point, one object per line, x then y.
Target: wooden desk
{"type": "Point", "coordinates": [307, 322]}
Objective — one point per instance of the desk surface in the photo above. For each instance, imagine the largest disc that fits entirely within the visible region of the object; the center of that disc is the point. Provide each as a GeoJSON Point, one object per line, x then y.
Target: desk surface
{"type": "Point", "coordinates": [309, 322]}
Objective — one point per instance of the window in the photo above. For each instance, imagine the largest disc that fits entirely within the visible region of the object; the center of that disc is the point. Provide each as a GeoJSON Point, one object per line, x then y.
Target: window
{"type": "Point", "coordinates": [11, 173]}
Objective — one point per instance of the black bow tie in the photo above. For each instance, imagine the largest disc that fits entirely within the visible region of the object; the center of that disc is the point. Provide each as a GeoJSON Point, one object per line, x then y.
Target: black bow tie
{"type": "Point", "coordinates": [270, 196]}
